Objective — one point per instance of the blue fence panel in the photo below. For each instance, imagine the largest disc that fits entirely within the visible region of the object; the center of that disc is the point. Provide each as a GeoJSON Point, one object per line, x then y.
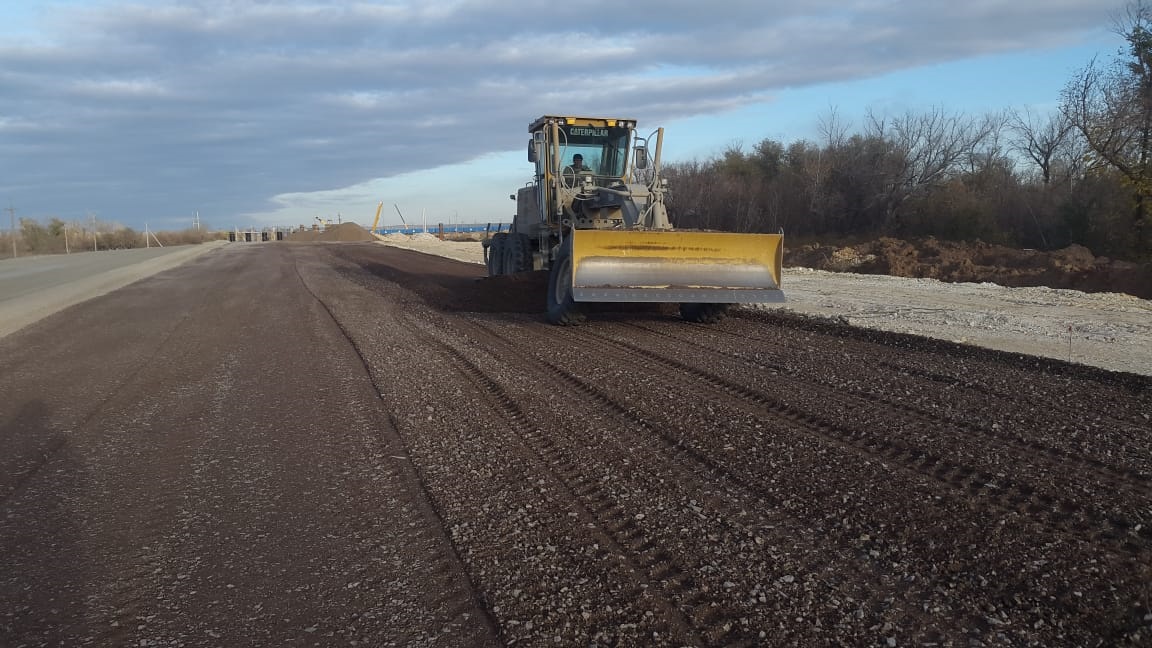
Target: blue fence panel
{"type": "Point", "coordinates": [448, 229]}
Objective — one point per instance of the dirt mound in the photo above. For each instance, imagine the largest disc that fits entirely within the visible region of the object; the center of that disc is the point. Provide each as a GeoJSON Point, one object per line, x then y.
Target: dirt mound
{"type": "Point", "coordinates": [344, 232]}
{"type": "Point", "coordinates": [1074, 267]}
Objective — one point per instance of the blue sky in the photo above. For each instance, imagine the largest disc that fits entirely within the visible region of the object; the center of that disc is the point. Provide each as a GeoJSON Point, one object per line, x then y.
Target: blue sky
{"type": "Point", "coordinates": [278, 112]}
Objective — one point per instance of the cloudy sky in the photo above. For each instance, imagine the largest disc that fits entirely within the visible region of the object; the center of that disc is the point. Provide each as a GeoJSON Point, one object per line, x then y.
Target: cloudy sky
{"type": "Point", "coordinates": [267, 112]}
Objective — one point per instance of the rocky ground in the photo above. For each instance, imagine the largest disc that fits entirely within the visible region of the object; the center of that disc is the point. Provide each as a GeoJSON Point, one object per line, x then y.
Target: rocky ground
{"type": "Point", "coordinates": [351, 444]}
{"type": "Point", "coordinates": [771, 481]}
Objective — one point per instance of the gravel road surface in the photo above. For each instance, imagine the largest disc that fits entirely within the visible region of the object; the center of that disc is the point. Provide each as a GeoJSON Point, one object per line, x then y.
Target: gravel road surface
{"type": "Point", "coordinates": [338, 444]}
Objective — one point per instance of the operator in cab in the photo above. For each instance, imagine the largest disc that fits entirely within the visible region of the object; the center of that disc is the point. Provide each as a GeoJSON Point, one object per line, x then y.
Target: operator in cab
{"type": "Point", "coordinates": [573, 172]}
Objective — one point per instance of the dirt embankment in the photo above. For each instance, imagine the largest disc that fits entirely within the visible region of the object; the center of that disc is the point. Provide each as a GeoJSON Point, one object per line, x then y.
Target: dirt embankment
{"type": "Point", "coordinates": [344, 232]}
{"type": "Point", "coordinates": [1074, 267]}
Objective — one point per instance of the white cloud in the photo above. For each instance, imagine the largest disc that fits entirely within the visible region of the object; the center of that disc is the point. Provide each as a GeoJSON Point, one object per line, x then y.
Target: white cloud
{"type": "Point", "coordinates": [118, 88]}
{"type": "Point", "coordinates": [261, 100]}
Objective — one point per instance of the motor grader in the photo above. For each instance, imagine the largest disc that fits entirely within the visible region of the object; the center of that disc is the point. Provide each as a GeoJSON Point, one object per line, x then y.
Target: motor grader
{"type": "Point", "coordinates": [594, 217]}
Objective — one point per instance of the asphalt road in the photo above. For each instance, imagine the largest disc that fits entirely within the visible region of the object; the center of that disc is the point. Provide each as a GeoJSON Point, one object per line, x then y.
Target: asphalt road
{"type": "Point", "coordinates": [21, 275]}
{"type": "Point", "coordinates": [329, 444]}
{"type": "Point", "coordinates": [34, 287]}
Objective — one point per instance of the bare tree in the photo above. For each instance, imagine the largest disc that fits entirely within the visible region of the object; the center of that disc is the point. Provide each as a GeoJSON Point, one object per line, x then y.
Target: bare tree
{"type": "Point", "coordinates": [1073, 160]}
{"type": "Point", "coordinates": [926, 150]}
{"type": "Point", "coordinates": [989, 151]}
{"type": "Point", "coordinates": [1040, 138]}
{"type": "Point", "coordinates": [1111, 107]}
{"type": "Point", "coordinates": [810, 166]}
{"type": "Point", "coordinates": [834, 129]}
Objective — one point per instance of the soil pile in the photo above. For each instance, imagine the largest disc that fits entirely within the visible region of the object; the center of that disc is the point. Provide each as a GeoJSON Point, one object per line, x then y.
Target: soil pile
{"type": "Point", "coordinates": [1074, 267]}
{"type": "Point", "coordinates": [344, 232]}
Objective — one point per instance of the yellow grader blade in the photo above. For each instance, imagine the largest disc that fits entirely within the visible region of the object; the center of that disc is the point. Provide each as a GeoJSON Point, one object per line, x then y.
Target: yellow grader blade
{"type": "Point", "coordinates": [676, 266]}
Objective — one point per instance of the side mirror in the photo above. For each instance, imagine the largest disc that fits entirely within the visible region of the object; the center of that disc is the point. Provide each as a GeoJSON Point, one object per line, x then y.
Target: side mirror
{"type": "Point", "coordinates": [641, 157]}
{"type": "Point", "coordinates": [512, 196]}
{"type": "Point", "coordinates": [531, 151]}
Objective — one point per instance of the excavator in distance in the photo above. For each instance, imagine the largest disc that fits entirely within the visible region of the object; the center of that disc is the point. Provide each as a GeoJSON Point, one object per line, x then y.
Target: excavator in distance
{"type": "Point", "coordinates": [594, 217]}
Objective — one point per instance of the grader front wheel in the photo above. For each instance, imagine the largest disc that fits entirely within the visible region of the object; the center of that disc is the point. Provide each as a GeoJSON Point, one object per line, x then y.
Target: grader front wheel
{"type": "Point", "coordinates": [562, 309]}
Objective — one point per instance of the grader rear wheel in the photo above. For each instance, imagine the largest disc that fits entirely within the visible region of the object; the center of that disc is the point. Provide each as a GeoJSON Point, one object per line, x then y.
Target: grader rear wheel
{"type": "Point", "coordinates": [518, 253]}
{"type": "Point", "coordinates": [496, 253]}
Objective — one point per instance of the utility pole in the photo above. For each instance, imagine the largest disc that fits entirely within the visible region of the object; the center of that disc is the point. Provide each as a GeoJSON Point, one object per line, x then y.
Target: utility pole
{"type": "Point", "coordinates": [12, 219]}
{"type": "Point", "coordinates": [93, 216]}
{"type": "Point", "coordinates": [196, 221]}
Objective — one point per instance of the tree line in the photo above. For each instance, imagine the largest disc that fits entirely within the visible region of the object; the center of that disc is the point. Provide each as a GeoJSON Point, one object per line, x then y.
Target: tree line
{"type": "Point", "coordinates": [1081, 174]}
{"type": "Point", "coordinates": [59, 237]}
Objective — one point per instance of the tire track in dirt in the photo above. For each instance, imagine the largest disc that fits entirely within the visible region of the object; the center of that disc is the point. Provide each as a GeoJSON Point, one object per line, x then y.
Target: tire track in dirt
{"type": "Point", "coordinates": [742, 504]}
{"type": "Point", "coordinates": [1077, 473]}
{"type": "Point", "coordinates": [23, 469]}
{"type": "Point", "coordinates": [945, 564]}
{"type": "Point", "coordinates": [962, 486]}
{"type": "Point", "coordinates": [36, 458]}
{"type": "Point", "coordinates": [120, 597]}
{"type": "Point", "coordinates": [978, 375]}
{"type": "Point", "coordinates": [1084, 469]}
{"type": "Point", "coordinates": [447, 567]}
{"type": "Point", "coordinates": [997, 490]}
{"type": "Point", "coordinates": [622, 538]}
{"type": "Point", "coordinates": [979, 390]}
{"type": "Point", "coordinates": [967, 483]}
{"type": "Point", "coordinates": [138, 589]}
